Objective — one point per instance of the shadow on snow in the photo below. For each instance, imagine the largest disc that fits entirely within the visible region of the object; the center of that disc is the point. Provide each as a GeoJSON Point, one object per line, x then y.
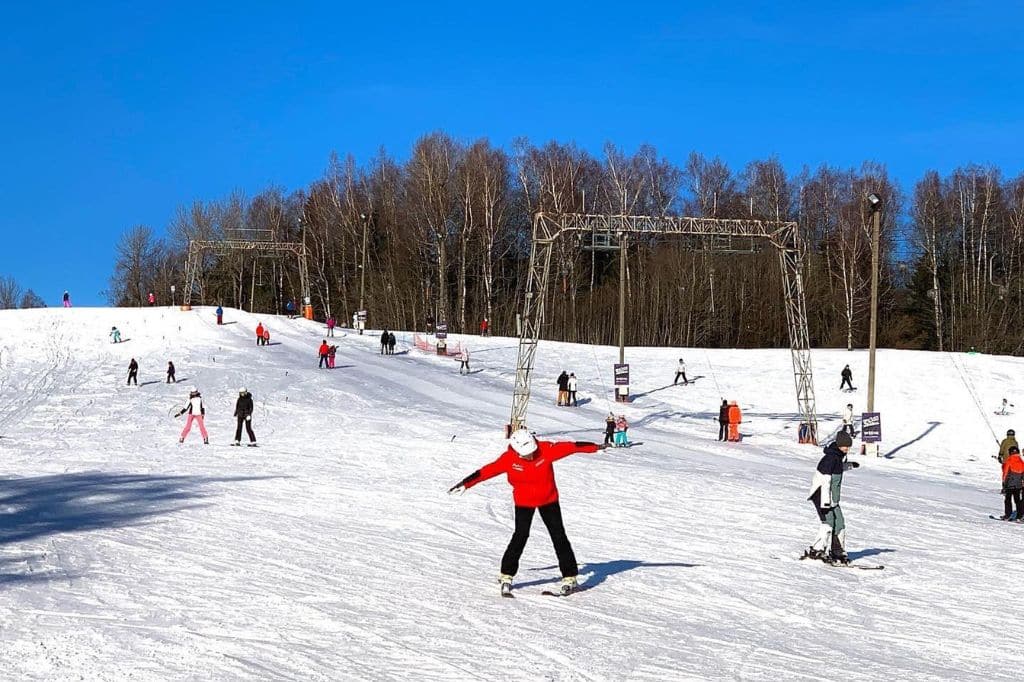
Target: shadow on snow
{"type": "Point", "coordinates": [932, 426]}
{"type": "Point", "coordinates": [597, 572]}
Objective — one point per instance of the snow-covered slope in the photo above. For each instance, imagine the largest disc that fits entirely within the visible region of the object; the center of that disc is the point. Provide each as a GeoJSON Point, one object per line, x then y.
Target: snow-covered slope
{"type": "Point", "coordinates": [332, 551]}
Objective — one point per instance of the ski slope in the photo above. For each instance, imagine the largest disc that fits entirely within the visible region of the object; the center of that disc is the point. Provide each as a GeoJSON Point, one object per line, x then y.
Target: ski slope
{"type": "Point", "coordinates": [332, 552]}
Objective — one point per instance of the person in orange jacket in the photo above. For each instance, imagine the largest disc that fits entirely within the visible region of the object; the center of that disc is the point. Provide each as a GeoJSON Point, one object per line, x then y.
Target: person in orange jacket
{"type": "Point", "coordinates": [1013, 485]}
{"type": "Point", "coordinates": [259, 333]}
{"type": "Point", "coordinates": [735, 417]}
{"type": "Point", "coordinates": [325, 352]}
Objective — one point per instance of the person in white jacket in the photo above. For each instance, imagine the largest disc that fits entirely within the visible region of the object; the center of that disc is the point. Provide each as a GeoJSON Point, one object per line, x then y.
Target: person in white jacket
{"type": "Point", "coordinates": [680, 372]}
{"type": "Point", "coordinates": [197, 413]}
{"type": "Point", "coordinates": [464, 361]}
{"type": "Point", "coordinates": [848, 419]}
{"type": "Point", "coordinates": [573, 383]}
{"type": "Point", "coordinates": [826, 486]}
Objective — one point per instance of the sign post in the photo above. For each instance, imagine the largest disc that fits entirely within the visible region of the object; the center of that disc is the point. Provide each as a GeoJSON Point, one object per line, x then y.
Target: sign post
{"type": "Point", "coordinates": [361, 320]}
{"type": "Point", "coordinates": [622, 382]}
{"type": "Point", "coordinates": [871, 433]}
{"type": "Point", "coordinates": [442, 336]}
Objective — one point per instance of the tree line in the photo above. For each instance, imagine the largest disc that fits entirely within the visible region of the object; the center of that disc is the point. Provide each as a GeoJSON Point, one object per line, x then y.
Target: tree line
{"type": "Point", "coordinates": [445, 235]}
{"type": "Point", "coordinates": [12, 295]}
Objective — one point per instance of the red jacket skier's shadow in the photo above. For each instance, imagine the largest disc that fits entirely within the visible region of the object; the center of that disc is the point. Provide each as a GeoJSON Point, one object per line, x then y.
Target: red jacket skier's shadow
{"type": "Point", "coordinates": [595, 573]}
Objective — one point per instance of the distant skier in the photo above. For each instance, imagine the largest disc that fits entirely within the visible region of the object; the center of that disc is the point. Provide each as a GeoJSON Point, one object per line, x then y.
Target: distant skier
{"type": "Point", "coordinates": [151, 298]}
{"type": "Point", "coordinates": [330, 325]}
{"type": "Point", "coordinates": [572, 384]}
{"type": "Point", "coordinates": [133, 372]}
{"type": "Point", "coordinates": [723, 421]}
{"type": "Point", "coordinates": [266, 336]}
{"type": "Point", "coordinates": [735, 419]}
{"type": "Point", "coordinates": [483, 328]}
{"type": "Point", "coordinates": [621, 432]}
{"type": "Point", "coordinates": [527, 463]}
{"type": "Point", "coordinates": [289, 308]}
{"type": "Point", "coordinates": [170, 373]}
{"type": "Point", "coordinates": [826, 487]}
{"type": "Point", "coordinates": [1004, 447]}
{"type": "Point", "coordinates": [848, 419]}
{"type": "Point", "coordinates": [197, 413]}
{"type": "Point", "coordinates": [325, 352]}
{"type": "Point", "coordinates": [243, 415]}
{"type": "Point", "coordinates": [115, 334]}
{"type": "Point", "coordinates": [220, 315]}
{"type": "Point", "coordinates": [464, 361]}
{"type": "Point", "coordinates": [1002, 411]}
{"type": "Point", "coordinates": [384, 342]}
{"type": "Point", "coordinates": [392, 342]}
{"type": "Point", "coordinates": [331, 355]}
{"type": "Point", "coordinates": [847, 375]}
{"type": "Point", "coordinates": [259, 333]}
{"type": "Point", "coordinates": [680, 372]}
{"type": "Point", "coordinates": [563, 389]}
{"type": "Point", "coordinates": [609, 429]}
{"type": "Point", "coordinates": [67, 299]}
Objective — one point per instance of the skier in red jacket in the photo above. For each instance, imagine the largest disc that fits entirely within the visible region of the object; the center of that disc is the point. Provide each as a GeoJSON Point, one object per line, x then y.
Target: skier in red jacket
{"type": "Point", "coordinates": [528, 465]}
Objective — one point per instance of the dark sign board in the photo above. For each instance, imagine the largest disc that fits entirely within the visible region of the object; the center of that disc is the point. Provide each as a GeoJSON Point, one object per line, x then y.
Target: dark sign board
{"type": "Point", "coordinates": [621, 375]}
{"type": "Point", "coordinates": [871, 427]}
{"type": "Point", "coordinates": [442, 330]}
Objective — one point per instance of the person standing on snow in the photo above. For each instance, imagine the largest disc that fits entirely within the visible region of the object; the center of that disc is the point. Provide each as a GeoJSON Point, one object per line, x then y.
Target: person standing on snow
{"type": "Point", "coordinates": [609, 429]}
{"type": "Point", "coordinates": [1009, 442]}
{"type": "Point", "coordinates": [383, 342]}
{"type": "Point", "coordinates": [392, 342]}
{"type": "Point", "coordinates": [527, 463]}
{"type": "Point", "coordinates": [220, 315]}
{"type": "Point", "coordinates": [847, 375]}
{"type": "Point", "coordinates": [848, 419]}
{"type": "Point", "coordinates": [563, 389]}
{"type": "Point", "coordinates": [1013, 483]}
{"type": "Point", "coordinates": [464, 360]}
{"type": "Point", "coordinates": [243, 414]}
{"type": "Point", "coordinates": [331, 353]}
{"type": "Point", "coordinates": [680, 372]}
{"type": "Point", "coordinates": [826, 487]}
{"type": "Point", "coordinates": [151, 298]}
{"type": "Point", "coordinates": [324, 351]}
{"type": "Point", "coordinates": [723, 421]}
{"type": "Point", "coordinates": [259, 333]}
{"type": "Point", "coordinates": [483, 327]}
{"type": "Point", "coordinates": [133, 372]}
{"type": "Point", "coordinates": [67, 299]}
{"type": "Point", "coordinates": [170, 373]}
{"type": "Point", "coordinates": [330, 325]}
{"type": "Point", "coordinates": [621, 429]}
{"type": "Point", "coordinates": [735, 419]}
{"type": "Point", "coordinates": [197, 413]}
{"type": "Point", "coordinates": [572, 384]}
{"type": "Point", "coordinates": [266, 336]}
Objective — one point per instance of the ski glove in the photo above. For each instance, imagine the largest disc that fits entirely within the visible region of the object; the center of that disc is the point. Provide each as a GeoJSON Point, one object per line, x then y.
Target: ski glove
{"type": "Point", "coordinates": [852, 465]}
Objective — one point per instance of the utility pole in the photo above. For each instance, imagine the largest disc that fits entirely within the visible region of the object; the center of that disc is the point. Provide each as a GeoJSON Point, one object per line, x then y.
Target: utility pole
{"type": "Point", "coordinates": [870, 440]}
{"type": "Point", "coordinates": [362, 273]}
{"type": "Point", "coordinates": [622, 298]}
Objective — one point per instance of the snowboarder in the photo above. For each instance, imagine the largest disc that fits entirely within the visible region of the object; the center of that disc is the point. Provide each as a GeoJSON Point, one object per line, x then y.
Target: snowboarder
{"type": "Point", "coordinates": [847, 375]}
{"type": "Point", "coordinates": [133, 372]}
{"type": "Point", "coordinates": [464, 361]}
{"type": "Point", "coordinates": [680, 372]}
{"type": "Point", "coordinates": [330, 326]}
{"type": "Point", "coordinates": [67, 299]}
{"type": "Point", "coordinates": [609, 429]}
{"type": "Point", "coordinates": [621, 427]}
{"type": "Point", "coordinates": [848, 419]}
{"type": "Point", "coordinates": [572, 385]}
{"type": "Point", "coordinates": [1013, 482]}
{"type": "Point", "coordinates": [723, 421]}
{"type": "Point", "coordinates": [1008, 442]}
{"type": "Point", "coordinates": [527, 463]}
{"type": "Point", "coordinates": [826, 486]}
{"type": "Point", "coordinates": [243, 415]}
{"type": "Point", "coordinates": [1002, 411]}
{"type": "Point", "coordinates": [220, 315]}
{"type": "Point", "coordinates": [384, 342]}
{"type": "Point", "coordinates": [259, 333]}
{"type": "Point", "coordinates": [332, 352]}
{"type": "Point", "coordinates": [563, 389]}
{"type": "Point", "coordinates": [151, 298]}
{"type": "Point", "coordinates": [392, 342]}
{"type": "Point", "coordinates": [735, 419]}
{"type": "Point", "coordinates": [483, 327]}
{"type": "Point", "coordinates": [115, 334]}
{"type": "Point", "coordinates": [324, 351]}
{"type": "Point", "coordinates": [170, 373]}
{"type": "Point", "coordinates": [196, 412]}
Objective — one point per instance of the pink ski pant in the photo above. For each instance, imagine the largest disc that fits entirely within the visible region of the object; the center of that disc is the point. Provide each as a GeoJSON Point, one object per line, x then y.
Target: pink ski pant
{"type": "Point", "coordinates": [188, 426]}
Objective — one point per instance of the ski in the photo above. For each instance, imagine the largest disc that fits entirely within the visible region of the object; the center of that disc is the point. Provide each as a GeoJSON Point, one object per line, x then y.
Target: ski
{"type": "Point", "coordinates": [996, 518]}
{"type": "Point", "coordinates": [863, 567]}
{"type": "Point", "coordinates": [549, 593]}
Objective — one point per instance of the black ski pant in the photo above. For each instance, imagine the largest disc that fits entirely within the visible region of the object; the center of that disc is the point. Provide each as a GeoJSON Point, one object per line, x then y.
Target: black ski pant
{"type": "Point", "coordinates": [248, 428]}
{"type": "Point", "coordinates": [171, 379]}
{"type": "Point", "coordinates": [846, 383]}
{"type": "Point", "coordinates": [680, 374]}
{"type": "Point", "coordinates": [323, 361]}
{"type": "Point", "coordinates": [551, 514]}
{"type": "Point", "coordinates": [723, 431]}
{"type": "Point", "coordinates": [609, 437]}
{"type": "Point", "coordinates": [1009, 498]}
{"type": "Point", "coordinates": [133, 376]}
{"type": "Point", "coordinates": [572, 397]}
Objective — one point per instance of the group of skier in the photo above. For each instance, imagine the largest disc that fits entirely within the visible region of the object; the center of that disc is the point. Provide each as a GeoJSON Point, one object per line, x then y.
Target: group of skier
{"type": "Point", "coordinates": [327, 354]}
{"type": "Point", "coordinates": [387, 343]}
{"type": "Point", "coordinates": [615, 428]}
{"type": "Point", "coordinates": [729, 419]}
{"type": "Point", "coordinates": [262, 335]}
{"type": "Point", "coordinates": [196, 411]}
{"type": "Point", "coordinates": [133, 373]}
{"type": "Point", "coordinates": [1012, 478]}
{"type": "Point", "coordinates": [567, 385]}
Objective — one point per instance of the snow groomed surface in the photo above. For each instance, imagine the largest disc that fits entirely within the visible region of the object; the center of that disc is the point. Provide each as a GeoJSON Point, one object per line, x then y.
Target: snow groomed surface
{"type": "Point", "coordinates": [333, 553]}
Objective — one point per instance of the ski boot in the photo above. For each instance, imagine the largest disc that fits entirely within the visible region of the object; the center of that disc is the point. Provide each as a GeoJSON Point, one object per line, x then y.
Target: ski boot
{"type": "Point", "coordinates": [505, 581]}
{"type": "Point", "coordinates": [206, 441]}
{"type": "Point", "coordinates": [811, 553]}
{"type": "Point", "coordinates": [181, 440]}
{"type": "Point", "coordinates": [1004, 517]}
{"type": "Point", "coordinates": [569, 585]}
{"type": "Point", "coordinates": [839, 559]}
{"type": "Point", "coordinates": [237, 444]}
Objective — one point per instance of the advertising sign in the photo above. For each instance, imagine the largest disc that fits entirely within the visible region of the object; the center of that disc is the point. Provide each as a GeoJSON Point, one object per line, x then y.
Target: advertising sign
{"type": "Point", "coordinates": [871, 427]}
{"type": "Point", "coordinates": [621, 374]}
{"type": "Point", "coordinates": [442, 330]}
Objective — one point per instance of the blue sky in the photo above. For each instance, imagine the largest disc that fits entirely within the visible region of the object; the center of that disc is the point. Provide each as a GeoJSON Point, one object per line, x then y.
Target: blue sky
{"type": "Point", "coordinates": [116, 113]}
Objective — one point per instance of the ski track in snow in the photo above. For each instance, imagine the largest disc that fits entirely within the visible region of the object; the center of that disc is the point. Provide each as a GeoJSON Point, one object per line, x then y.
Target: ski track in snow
{"type": "Point", "coordinates": [332, 552]}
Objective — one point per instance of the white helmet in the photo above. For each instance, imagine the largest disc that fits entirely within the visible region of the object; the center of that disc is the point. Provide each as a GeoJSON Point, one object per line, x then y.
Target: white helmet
{"type": "Point", "coordinates": [242, 390]}
{"type": "Point", "coordinates": [523, 442]}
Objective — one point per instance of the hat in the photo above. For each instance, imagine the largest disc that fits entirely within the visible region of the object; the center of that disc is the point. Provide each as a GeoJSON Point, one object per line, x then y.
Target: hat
{"type": "Point", "coordinates": [843, 440]}
{"type": "Point", "coordinates": [1010, 432]}
{"type": "Point", "coordinates": [242, 390]}
{"type": "Point", "coordinates": [523, 442]}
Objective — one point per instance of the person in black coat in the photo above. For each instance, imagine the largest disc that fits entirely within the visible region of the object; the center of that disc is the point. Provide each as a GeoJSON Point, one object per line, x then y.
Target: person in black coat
{"type": "Point", "coordinates": [243, 413]}
{"type": "Point", "coordinates": [170, 373]}
{"type": "Point", "coordinates": [384, 342]}
{"type": "Point", "coordinates": [133, 372]}
{"type": "Point", "coordinates": [563, 388]}
{"type": "Point", "coordinates": [391, 343]}
{"type": "Point", "coordinates": [847, 375]}
{"type": "Point", "coordinates": [723, 421]}
{"type": "Point", "coordinates": [609, 429]}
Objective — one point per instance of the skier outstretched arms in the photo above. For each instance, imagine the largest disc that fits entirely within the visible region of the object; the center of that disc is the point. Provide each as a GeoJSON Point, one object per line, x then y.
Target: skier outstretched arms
{"type": "Point", "coordinates": [197, 413]}
{"type": "Point", "coordinates": [826, 487]}
{"type": "Point", "coordinates": [527, 463]}
{"type": "Point", "coordinates": [243, 415]}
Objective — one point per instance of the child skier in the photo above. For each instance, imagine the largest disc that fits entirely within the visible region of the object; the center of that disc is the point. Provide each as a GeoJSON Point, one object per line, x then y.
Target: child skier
{"type": "Point", "coordinates": [170, 373]}
{"type": "Point", "coordinates": [220, 315]}
{"type": "Point", "coordinates": [826, 486]}
{"type": "Point", "coordinates": [266, 336]}
{"type": "Point", "coordinates": [1013, 482]}
{"type": "Point", "coordinates": [527, 463]}
{"type": "Point", "coordinates": [680, 372]}
{"type": "Point", "coordinates": [392, 341]}
{"type": "Point", "coordinates": [331, 353]}
{"type": "Point", "coordinates": [243, 415]}
{"type": "Point", "coordinates": [848, 419]}
{"type": "Point", "coordinates": [115, 334]}
{"type": "Point", "coordinates": [67, 299]}
{"type": "Point", "coordinates": [609, 429]}
{"type": "Point", "coordinates": [196, 412]}
{"type": "Point", "coordinates": [464, 361]}
{"type": "Point", "coordinates": [735, 419]}
{"type": "Point", "coordinates": [330, 326]}
{"type": "Point", "coordinates": [133, 372]}
{"type": "Point", "coordinates": [621, 427]}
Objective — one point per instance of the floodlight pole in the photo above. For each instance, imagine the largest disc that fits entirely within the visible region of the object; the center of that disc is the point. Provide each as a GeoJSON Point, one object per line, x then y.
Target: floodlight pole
{"type": "Point", "coordinates": [876, 217]}
{"type": "Point", "coordinates": [622, 298]}
{"type": "Point", "coordinates": [362, 271]}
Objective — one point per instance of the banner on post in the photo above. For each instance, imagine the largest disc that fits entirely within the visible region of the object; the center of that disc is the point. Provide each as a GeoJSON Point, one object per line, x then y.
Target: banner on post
{"type": "Point", "coordinates": [621, 374]}
{"type": "Point", "coordinates": [871, 427]}
{"type": "Point", "coordinates": [442, 330]}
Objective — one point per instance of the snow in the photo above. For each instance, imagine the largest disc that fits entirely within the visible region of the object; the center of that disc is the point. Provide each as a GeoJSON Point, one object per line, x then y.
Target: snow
{"type": "Point", "coordinates": [332, 552]}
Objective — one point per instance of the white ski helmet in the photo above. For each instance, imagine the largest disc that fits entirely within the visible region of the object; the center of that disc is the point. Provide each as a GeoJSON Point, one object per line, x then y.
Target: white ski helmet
{"type": "Point", "coordinates": [523, 442]}
{"type": "Point", "coordinates": [242, 391]}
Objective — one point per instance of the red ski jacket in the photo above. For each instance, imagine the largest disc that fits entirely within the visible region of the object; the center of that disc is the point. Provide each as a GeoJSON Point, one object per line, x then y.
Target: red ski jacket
{"type": "Point", "coordinates": [324, 349]}
{"type": "Point", "coordinates": [532, 480]}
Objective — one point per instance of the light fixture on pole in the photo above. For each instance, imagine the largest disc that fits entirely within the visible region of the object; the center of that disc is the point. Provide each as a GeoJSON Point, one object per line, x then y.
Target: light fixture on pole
{"type": "Point", "coordinates": [873, 433]}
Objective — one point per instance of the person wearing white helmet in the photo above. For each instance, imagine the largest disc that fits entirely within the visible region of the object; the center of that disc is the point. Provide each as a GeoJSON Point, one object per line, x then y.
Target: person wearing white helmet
{"type": "Point", "coordinates": [243, 414]}
{"type": "Point", "coordinates": [527, 463]}
{"type": "Point", "coordinates": [197, 413]}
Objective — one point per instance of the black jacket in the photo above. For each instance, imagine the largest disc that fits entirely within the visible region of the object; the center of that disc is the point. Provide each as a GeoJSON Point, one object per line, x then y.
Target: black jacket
{"type": "Point", "coordinates": [243, 408]}
{"type": "Point", "coordinates": [847, 373]}
{"type": "Point", "coordinates": [563, 382]}
{"type": "Point", "coordinates": [384, 338]}
{"type": "Point", "coordinates": [170, 368]}
{"type": "Point", "coordinates": [133, 366]}
{"type": "Point", "coordinates": [723, 414]}
{"type": "Point", "coordinates": [609, 425]}
{"type": "Point", "coordinates": [391, 339]}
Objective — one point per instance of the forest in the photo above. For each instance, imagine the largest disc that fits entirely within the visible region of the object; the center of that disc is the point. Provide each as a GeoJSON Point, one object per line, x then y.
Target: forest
{"type": "Point", "coordinates": [445, 235]}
